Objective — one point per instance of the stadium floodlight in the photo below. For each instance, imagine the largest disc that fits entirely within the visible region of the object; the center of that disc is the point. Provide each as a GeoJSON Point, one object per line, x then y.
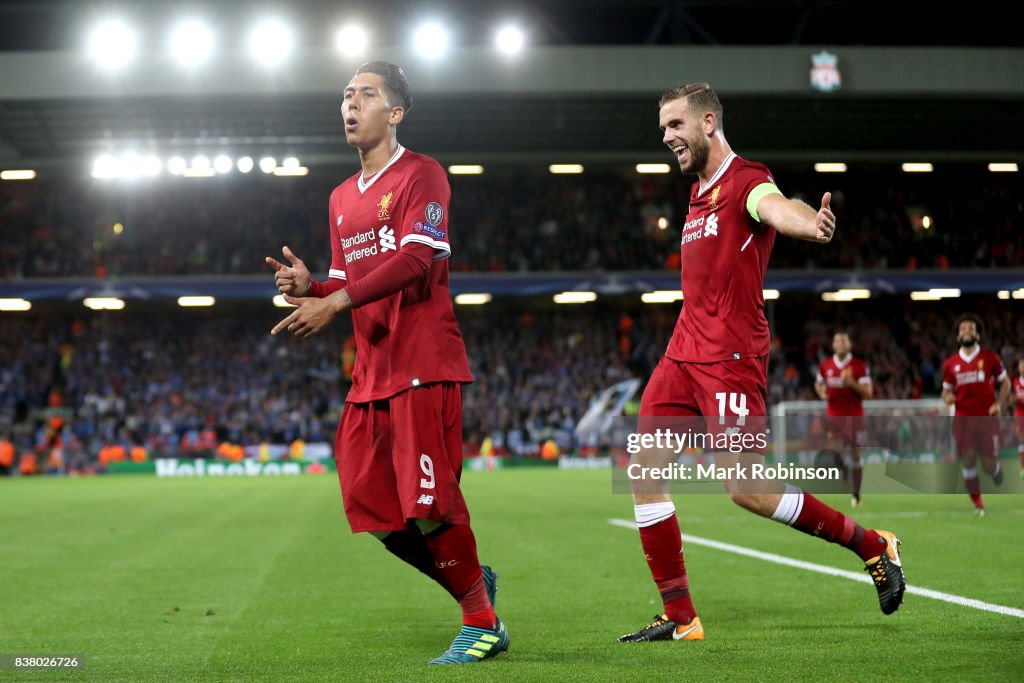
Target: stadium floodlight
{"type": "Point", "coordinates": [466, 169]}
{"type": "Point", "coordinates": [770, 294]}
{"type": "Point", "coordinates": [430, 40]}
{"type": "Point", "coordinates": [281, 303]}
{"type": "Point", "coordinates": [1002, 167]}
{"type": "Point", "coordinates": [271, 42]}
{"type": "Point", "coordinates": [830, 167]}
{"type": "Point", "coordinates": [150, 165]}
{"type": "Point", "coordinates": [351, 40]}
{"type": "Point", "coordinates": [575, 297]}
{"type": "Point", "coordinates": [291, 171]}
{"type": "Point", "coordinates": [191, 43]}
{"type": "Point", "coordinates": [118, 228]}
{"type": "Point", "coordinates": [653, 168]}
{"type": "Point", "coordinates": [1003, 294]}
{"type": "Point", "coordinates": [15, 304]}
{"type": "Point", "coordinates": [195, 301]}
{"type": "Point", "coordinates": [926, 222]}
{"type": "Point", "coordinates": [562, 169]}
{"type": "Point", "coordinates": [200, 162]}
{"type": "Point", "coordinates": [17, 174]}
{"type": "Point", "coordinates": [662, 296]}
{"type": "Point", "coordinates": [1017, 294]}
{"type": "Point", "coordinates": [103, 303]}
{"type": "Point", "coordinates": [473, 299]}
{"type": "Point", "coordinates": [222, 163]}
{"type": "Point", "coordinates": [290, 162]}
{"type": "Point", "coordinates": [176, 165]}
{"type": "Point", "coordinates": [934, 294]}
{"type": "Point", "coordinates": [846, 295]}
{"type": "Point", "coordinates": [268, 164]}
{"type": "Point", "coordinates": [917, 167]}
{"type": "Point", "coordinates": [244, 164]}
{"type": "Point", "coordinates": [509, 40]}
{"type": "Point", "coordinates": [112, 44]}
{"type": "Point", "coordinates": [104, 167]}
{"type": "Point", "coordinates": [662, 223]}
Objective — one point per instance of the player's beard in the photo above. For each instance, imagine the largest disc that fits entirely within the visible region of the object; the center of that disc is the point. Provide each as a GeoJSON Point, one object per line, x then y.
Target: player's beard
{"type": "Point", "coordinates": [967, 342]}
{"type": "Point", "coordinates": [700, 150]}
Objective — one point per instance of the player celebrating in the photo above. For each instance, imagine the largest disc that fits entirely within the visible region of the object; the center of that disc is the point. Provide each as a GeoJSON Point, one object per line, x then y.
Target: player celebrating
{"type": "Point", "coordinates": [716, 363]}
{"type": "Point", "coordinates": [844, 381]}
{"type": "Point", "coordinates": [1018, 412]}
{"type": "Point", "coordinates": [399, 442]}
{"type": "Point", "coordinates": [968, 380]}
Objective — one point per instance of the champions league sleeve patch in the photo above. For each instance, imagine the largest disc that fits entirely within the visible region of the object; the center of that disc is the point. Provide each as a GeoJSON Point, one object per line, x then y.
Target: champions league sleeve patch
{"type": "Point", "coordinates": [430, 230]}
{"type": "Point", "coordinates": [434, 213]}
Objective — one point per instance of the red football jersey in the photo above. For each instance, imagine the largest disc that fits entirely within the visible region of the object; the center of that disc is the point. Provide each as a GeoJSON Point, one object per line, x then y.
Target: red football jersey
{"type": "Point", "coordinates": [411, 337]}
{"type": "Point", "coordinates": [1018, 392]}
{"type": "Point", "coordinates": [843, 401]}
{"type": "Point", "coordinates": [724, 254]}
{"type": "Point", "coordinates": [973, 379]}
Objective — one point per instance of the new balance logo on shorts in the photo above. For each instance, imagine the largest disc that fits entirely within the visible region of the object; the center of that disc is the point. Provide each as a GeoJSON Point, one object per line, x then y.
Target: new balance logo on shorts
{"type": "Point", "coordinates": [425, 500]}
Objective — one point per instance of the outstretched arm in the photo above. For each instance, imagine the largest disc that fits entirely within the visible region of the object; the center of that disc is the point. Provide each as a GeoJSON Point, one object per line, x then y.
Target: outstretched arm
{"type": "Point", "coordinates": [794, 218]}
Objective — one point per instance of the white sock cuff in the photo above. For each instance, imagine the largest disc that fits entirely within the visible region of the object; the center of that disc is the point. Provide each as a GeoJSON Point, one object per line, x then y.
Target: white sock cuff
{"type": "Point", "coordinates": [970, 473]}
{"type": "Point", "coordinates": [790, 507]}
{"type": "Point", "coordinates": [650, 514]}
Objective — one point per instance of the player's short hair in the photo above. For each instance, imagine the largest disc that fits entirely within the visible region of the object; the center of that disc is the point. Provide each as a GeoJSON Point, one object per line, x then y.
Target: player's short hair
{"type": "Point", "coordinates": [700, 96]}
{"type": "Point", "coordinates": [969, 317]}
{"type": "Point", "coordinates": [843, 332]}
{"type": "Point", "coordinates": [395, 82]}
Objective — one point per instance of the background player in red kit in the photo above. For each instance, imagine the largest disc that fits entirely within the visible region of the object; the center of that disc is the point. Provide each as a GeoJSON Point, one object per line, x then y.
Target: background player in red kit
{"type": "Point", "coordinates": [1018, 412]}
{"type": "Point", "coordinates": [399, 442]}
{"type": "Point", "coordinates": [969, 378]}
{"type": "Point", "coordinates": [844, 381]}
{"type": "Point", "coordinates": [717, 360]}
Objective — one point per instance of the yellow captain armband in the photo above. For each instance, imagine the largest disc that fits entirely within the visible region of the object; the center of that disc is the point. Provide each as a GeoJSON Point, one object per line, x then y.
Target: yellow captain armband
{"type": "Point", "coordinates": [756, 195]}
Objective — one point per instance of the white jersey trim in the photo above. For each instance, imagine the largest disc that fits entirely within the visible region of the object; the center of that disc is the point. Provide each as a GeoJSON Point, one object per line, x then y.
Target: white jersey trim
{"type": "Point", "coordinates": [842, 365]}
{"type": "Point", "coordinates": [364, 184]}
{"type": "Point", "coordinates": [968, 359]}
{"type": "Point", "coordinates": [337, 274]}
{"type": "Point", "coordinates": [718, 174]}
{"type": "Point", "coordinates": [442, 250]}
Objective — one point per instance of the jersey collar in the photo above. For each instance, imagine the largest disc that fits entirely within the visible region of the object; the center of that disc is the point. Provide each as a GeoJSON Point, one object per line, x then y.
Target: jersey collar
{"type": "Point", "coordinates": [843, 364]}
{"type": "Point", "coordinates": [968, 359]}
{"type": "Point", "coordinates": [718, 174]}
{"type": "Point", "coordinates": [364, 184]}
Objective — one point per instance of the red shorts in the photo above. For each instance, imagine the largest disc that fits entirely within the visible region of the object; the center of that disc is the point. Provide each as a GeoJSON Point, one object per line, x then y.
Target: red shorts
{"type": "Point", "coordinates": [977, 435]}
{"type": "Point", "coordinates": [732, 391]}
{"type": "Point", "coordinates": [850, 430]}
{"type": "Point", "coordinates": [401, 459]}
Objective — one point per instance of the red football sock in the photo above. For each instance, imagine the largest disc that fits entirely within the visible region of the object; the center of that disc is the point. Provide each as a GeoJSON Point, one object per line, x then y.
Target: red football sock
{"type": "Point", "coordinates": [858, 477]}
{"type": "Point", "coordinates": [808, 514]}
{"type": "Point", "coordinates": [454, 551]}
{"type": "Point", "coordinates": [973, 487]}
{"type": "Point", "coordinates": [663, 548]}
{"type": "Point", "coordinates": [410, 546]}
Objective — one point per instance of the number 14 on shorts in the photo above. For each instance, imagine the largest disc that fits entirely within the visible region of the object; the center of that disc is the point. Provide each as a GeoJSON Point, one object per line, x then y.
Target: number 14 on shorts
{"type": "Point", "coordinates": [737, 404]}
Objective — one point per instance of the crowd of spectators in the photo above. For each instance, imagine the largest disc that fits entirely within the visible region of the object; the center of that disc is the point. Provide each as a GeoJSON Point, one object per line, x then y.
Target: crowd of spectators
{"type": "Point", "coordinates": [161, 380]}
{"type": "Point", "coordinates": [501, 221]}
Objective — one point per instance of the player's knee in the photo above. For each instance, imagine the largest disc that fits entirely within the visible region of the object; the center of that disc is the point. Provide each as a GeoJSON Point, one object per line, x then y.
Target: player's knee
{"type": "Point", "coordinates": [742, 498]}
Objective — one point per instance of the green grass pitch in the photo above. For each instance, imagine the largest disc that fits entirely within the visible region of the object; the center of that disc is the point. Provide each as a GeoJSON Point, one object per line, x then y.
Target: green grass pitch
{"type": "Point", "coordinates": [260, 579]}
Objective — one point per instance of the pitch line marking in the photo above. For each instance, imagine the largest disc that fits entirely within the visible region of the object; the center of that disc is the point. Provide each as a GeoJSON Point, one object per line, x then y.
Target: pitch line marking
{"type": "Point", "coordinates": [832, 571]}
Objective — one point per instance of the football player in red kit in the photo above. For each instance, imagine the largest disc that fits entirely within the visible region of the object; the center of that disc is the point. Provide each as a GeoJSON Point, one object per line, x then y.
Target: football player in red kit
{"type": "Point", "coordinates": [716, 364]}
{"type": "Point", "coordinates": [1018, 412]}
{"type": "Point", "coordinates": [969, 379]}
{"type": "Point", "coordinates": [844, 381]}
{"type": "Point", "coordinates": [399, 442]}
